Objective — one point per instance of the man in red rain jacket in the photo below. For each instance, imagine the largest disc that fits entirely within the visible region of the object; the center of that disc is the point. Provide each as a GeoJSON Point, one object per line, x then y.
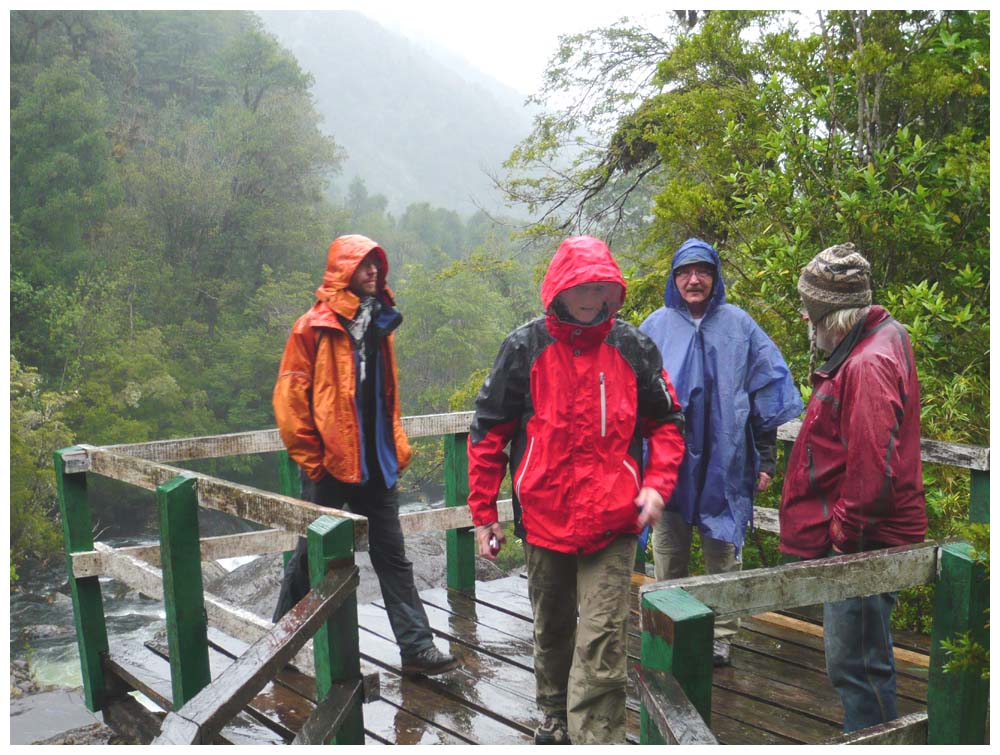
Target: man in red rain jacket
{"type": "Point", "coordinates": [575, 393]}
{"type": "Point", "coordinates": [854, 480]}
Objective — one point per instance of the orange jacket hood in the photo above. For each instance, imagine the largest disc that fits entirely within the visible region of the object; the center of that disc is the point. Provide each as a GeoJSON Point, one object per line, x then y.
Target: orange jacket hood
{"type": "Point", "coordinates": [343, 258]}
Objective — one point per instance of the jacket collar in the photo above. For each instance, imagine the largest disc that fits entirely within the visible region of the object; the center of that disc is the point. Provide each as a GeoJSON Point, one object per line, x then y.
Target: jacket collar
{"type": "Point", "coordinates": [582, 337]}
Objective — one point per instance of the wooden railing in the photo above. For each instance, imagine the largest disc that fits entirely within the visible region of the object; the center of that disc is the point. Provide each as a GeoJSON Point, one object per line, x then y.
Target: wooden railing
{"type": "Point", "coordinates": [171, 571]}
{"type": "Point", "coordinates": [678, 616]}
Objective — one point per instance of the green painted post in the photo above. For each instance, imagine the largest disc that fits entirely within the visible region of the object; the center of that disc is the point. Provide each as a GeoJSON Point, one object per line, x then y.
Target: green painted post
{"type": "Point", "coordinates": [335, 646]}
{"type": "Point", "coordinates": [640, 558]}
{"type": "Point", "coordinates": [461, 543]}
{"type": "Point", "coordinates": [957, 701]}
{"type": "Point", "coordinates": [88, 610]}
{"type": "Point", "coordinates": [180, 559]}
{"type": "Point", "coordinates": [979, 497]}
{"type": "Point", "coordinates": [290, 484]}
{"type": "Point", "coordinates": [677, 634]}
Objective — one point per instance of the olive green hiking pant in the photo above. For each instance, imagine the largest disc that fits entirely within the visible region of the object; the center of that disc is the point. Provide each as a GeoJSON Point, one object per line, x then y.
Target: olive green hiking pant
{"type": "Point", "coordinates": [580, 666]}
{"type": "Point", "coordinates": [672, 558]}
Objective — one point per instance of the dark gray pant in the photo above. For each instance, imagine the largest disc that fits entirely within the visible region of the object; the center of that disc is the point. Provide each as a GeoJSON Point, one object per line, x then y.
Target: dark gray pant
{"type": "Point", "coordinates": [386, 548]}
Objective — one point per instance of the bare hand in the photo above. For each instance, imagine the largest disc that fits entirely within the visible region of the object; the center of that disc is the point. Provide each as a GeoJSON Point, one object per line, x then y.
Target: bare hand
{"type": "Point", "coordinates": [763, 481]}
{"type": "Point", "coordinates": [484, 536]}
{"type": "Point", "coordinates": [650, 505]}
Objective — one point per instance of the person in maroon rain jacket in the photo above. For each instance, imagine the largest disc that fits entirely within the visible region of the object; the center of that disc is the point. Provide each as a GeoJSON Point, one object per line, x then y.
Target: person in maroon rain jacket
{"type": "Point", "coordinates": [854, 480]}
{"type": "Point", "coordinates": [575, 393]}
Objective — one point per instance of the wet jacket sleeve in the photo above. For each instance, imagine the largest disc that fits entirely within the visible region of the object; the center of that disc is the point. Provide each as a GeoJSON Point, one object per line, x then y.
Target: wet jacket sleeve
{"type": "Point", "coordinates": [774, 397]}
{"type": "Point", "coordinates": [499, 405]}
{"type": "Point", "coordinates": [766, 443]}
{"type": "Point", "coordinates": [661, 423]}
{"type": "Point", "coordinates": [874, 396]}
{"type": "Point", "coordinates": [292, 402]}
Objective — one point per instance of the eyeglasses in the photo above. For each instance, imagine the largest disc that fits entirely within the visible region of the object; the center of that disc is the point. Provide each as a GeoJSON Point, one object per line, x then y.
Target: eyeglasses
{"type": "Point", "coordinates": [695, 272]}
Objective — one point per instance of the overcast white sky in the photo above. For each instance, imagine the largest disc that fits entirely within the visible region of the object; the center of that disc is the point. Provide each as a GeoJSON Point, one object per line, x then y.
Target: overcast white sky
{"type": "Point", "coordinates": [511, 40]}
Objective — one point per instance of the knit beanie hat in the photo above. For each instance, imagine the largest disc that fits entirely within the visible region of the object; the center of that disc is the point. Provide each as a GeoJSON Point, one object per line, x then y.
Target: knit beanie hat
{"type": "Point", "coordinates": [836, 278]}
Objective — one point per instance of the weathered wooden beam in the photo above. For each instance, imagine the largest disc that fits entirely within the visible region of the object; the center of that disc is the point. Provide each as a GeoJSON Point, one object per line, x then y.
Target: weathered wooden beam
{"type": "Point", "coordinates": [429, 425]}
{"type": "Point", "coordinates": [931, 451]}
{"type": "Point", "coordinates": [218, 702]}
{"type": "Point", "coordinates": [329, 715]}
{"type": "Point", "coordinates": [766, 519]}
{"type": "Point", "coordinates": [223, 615]}
{"type": "Point", "coordinates": [269, 509]}
{"type": "Point", "coordinates": [125, 715]}
{"type": "Point", "coordinates": [906, 730]}
{"type": "Point", "coordinates": [92, 563]}
{"type": "Point", "coordinates": [124, 672]}
{"type": "Point", "coordinates": [205, 447]}
{"type": "Point", "coordinates": [436, 520]}
{"type": "Point", "coordinates": [267, 441]}
{"type": "Point", "coordinates": [130, 719]}
{"type": "Point", "coordinates": [669, 709]}
{"type": "Point", "coordinates": [807, 583]}
{"type": "Point", "coordinates": [902, 655]}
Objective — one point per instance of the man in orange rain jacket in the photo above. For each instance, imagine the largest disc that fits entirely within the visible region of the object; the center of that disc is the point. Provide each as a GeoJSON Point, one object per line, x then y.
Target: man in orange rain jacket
{"type": "Point", "coordinates": [337, 406]}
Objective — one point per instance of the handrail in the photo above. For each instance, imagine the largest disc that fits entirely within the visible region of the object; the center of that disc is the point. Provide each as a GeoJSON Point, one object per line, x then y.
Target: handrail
{"type": "Point", "coordinates": [145, 465]}
{"type": "Point", "coordinates": [204, 715]}
{"type": "Point", "coordinates": [430, 425]}
{"type": "Point", "coordinates": [678, 616]}
{"type": "Point", "coordinates": [806, 583]}
{"type": "Point", "coordinates": [669, 709]}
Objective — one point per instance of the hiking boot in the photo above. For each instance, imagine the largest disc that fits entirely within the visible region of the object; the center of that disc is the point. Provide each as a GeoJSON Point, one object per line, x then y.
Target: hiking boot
{"type": "Point", "coordinates": [552, 731]}
{"type": "Point", "coordinates": [429, 662]}
{"type": "Point", "coordinates": [720, 653]}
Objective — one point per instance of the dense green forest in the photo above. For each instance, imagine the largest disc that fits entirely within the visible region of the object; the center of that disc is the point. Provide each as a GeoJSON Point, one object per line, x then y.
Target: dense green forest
{"type": "Point", "coordinates": [169, 222]}
{"type": "Point", "coordinates": [169, 213]}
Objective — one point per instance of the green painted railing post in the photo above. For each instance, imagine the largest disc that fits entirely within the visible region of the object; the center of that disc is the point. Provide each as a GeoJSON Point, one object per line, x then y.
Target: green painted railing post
{"type": "Point", "coordinates": [290, 484]}
{"type": "Point", "coordinates": [640, 558]}
{"type": "Point", "coordinates": [957, 701]}
{"type": "Point", "coordinates": [461, 543]}
{"type": "Point", "coordinates": [979, 497]}
{"type": "Point", "coordinates": [183, 596]}
{"type": "Point", "coordinates": [336, 654]}
{"type": "Point", "coordinates": [88, 610]}
{"type": "Point", "coordinates": [677, 639]}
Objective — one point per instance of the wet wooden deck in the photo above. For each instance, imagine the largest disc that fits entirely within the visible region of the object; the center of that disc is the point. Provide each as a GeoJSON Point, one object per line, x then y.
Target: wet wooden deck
{"type": "Point", "coordinates": [775, 692]}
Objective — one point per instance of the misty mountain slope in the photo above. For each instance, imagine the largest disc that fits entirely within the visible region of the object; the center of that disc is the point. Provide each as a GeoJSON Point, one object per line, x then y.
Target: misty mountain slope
{"type": "Point", "coordinates": [413, 128]}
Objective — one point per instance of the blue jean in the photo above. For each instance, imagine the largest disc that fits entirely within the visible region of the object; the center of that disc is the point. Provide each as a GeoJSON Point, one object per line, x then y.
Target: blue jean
{"type": "Point", "coordinates": [857, 638]}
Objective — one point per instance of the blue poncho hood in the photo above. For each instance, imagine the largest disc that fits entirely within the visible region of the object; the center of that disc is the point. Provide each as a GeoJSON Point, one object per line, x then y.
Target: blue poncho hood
{"type": "Point", "coordinates": [731, 380]}
{"type": "Point", "coordinates": [691, 251]}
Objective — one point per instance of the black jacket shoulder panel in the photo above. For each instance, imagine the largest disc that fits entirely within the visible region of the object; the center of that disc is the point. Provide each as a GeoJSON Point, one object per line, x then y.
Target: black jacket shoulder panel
{"type": "Point", "coordinates": [506, 392]}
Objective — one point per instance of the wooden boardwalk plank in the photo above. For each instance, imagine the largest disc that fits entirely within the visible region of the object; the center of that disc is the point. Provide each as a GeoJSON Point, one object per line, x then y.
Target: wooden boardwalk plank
{"type": "Point", "coordinates": [399, 711]}
{"type": "Point", "coordinates": [910, 680]}
{"type": "Point", "coordinates": [276, 707]}
{"type": "Point", "coordinates": [464, 693]}
{"type": "Point", "coordinates": [775, 692]}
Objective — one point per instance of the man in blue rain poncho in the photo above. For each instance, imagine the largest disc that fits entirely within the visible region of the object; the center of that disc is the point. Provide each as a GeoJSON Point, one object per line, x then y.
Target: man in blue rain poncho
{"type": "Point", "coordinates": [736, 390]}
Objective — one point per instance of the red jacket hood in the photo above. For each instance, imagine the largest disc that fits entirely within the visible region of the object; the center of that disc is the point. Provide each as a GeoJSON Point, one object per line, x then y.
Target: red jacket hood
{"type": "Point", "coordinates": [346, 253]}
{"type": "Point", "coordinates": [582, 259]}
